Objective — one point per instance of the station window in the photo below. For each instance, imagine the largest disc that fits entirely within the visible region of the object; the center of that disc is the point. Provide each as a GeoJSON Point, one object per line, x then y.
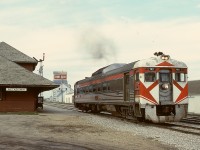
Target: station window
{"type": "Point", "coordinates": [180, 77]}
{"type": "Point", "coordinates": [150, 77]}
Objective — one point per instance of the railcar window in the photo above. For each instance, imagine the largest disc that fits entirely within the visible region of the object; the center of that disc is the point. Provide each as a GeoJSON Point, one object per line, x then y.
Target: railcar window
{"type": "Point", "coordinates": [164, 77]}
{"type": "Point", "coordinates": [94, 88]}
{"type": "Point", "coordinates": [180, 77]}
{"type": "Point", "coordinates": [99, 87]}
{"type": "Point", "coordinates": [108, 86]}
{"type": "Point", "coordinates": [116, 85]}
{"type": "Point", "coordinates": [150, 77]}
{"type": "Point", "coordinates": [78, 91]}
{"type": "Point", "coordinates": [83, 89]}
{"type": "Point", "coordinates": [86, 89]}
{"type": "Point", "coordinates": [137, 76]}
{"type": "Point", "coordinates": [90, 88]}
{"type": "Point", "coordinates": [104, 86]}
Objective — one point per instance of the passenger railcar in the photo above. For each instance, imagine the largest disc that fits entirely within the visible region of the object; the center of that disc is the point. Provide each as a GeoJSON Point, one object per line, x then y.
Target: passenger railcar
{"type": "Point", "coordinates": [154, 89]}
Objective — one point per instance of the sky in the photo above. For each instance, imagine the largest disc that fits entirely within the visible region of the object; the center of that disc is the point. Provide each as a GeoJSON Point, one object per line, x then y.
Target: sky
{"type": "Point", "coordinates": [81, 36]}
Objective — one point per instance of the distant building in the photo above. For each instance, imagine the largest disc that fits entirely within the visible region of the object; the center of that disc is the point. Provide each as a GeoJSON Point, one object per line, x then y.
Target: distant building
{"type": "Point", "coordinates": [69, 97]}
{"type": "Point", "coordinates": [64, 92]}
{"type": "Point", "coordinates": [19, 86]}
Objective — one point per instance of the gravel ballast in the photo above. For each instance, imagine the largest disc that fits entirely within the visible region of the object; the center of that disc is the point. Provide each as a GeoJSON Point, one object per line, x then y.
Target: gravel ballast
{"type": "Point", "coordinates": [166, 136]}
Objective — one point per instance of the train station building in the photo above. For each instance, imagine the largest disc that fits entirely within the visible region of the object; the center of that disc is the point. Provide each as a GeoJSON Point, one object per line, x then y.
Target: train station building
{"type": "Point", "coordinates": [19, 86]}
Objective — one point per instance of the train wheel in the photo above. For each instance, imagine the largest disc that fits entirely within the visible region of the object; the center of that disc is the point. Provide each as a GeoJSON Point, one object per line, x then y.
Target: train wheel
{"type": "Point", "coordinates": [94, 109]}
{"type": "Point", "coordinates": [140, 119]}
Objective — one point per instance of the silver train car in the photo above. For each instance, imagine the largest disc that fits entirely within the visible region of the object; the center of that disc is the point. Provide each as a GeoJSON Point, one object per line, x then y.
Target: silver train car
{"type": "Point", "coordinates": [154, 89]}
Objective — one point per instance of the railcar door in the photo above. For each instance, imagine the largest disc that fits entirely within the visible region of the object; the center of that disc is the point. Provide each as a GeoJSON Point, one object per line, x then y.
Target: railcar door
{"type": "Point", "coordinates": [165, 86]}
{"type": "Point", "coordinates": [126, 87]}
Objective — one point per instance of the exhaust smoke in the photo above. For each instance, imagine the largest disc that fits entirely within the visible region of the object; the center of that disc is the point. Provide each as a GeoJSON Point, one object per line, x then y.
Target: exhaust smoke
{"type": "Point", "coordinates": [98, 46]}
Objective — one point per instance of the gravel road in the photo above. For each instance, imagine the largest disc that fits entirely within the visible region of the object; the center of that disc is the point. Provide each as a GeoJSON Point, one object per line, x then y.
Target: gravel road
{"type": "Point", "coordinates": [55, 128]}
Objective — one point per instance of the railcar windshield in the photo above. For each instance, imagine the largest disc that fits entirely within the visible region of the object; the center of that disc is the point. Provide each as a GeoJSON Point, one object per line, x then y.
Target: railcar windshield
{"type": "Point", "coordinates": [150, 77]}
{"type": "Point", "coordinates": [164, 77]}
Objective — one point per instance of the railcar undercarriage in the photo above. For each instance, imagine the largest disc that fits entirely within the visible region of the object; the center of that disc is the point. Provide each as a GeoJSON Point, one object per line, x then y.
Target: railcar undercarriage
{"type": "Point", "coordinates": [156, 114]}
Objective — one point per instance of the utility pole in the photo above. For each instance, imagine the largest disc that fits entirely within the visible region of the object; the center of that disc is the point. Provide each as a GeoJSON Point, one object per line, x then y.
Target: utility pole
{"type": "Point", "coordinates": [41, 66]}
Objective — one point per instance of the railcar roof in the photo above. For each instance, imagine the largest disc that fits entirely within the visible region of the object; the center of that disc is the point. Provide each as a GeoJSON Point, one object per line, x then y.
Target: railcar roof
{"type": "Point", "coordinates": [100, 73]}
{"type": "Point", "coordinates": [122, 68]}
{"type": "Point", "coordinates": [154, 61]}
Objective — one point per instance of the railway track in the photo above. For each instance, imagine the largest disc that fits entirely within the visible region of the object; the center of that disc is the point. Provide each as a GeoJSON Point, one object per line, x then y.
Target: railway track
{"type": "Point", "coordinates": [180, 127]}
{"type": "Point", "coordinates": [189, 125]}
{"type": "Point", "coordinates": [192, 119]}
{"type": "Point", "coordinates": [67, 106]}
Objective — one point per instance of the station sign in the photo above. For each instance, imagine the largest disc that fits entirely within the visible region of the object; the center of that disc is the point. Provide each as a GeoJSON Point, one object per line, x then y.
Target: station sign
{"type": "Point", "coordinates": [16, 89]}
{"type": "Point", "coordinates": [60, 75]}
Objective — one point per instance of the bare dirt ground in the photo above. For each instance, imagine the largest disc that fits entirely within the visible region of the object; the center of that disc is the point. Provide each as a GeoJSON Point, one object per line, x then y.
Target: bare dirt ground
{"type": "Point", "coordinates": [59, 129]}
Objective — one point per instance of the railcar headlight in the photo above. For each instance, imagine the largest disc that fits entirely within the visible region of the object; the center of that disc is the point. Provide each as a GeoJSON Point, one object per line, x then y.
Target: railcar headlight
{"type": "Point", "coordinates": [165, 86]}
{"type": "Point", "coordinates": [165, 57]}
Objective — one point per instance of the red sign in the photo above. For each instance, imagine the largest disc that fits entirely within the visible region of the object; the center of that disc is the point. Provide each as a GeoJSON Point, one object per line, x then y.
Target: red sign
{"type": "Point", "coordinates": [60, 76]}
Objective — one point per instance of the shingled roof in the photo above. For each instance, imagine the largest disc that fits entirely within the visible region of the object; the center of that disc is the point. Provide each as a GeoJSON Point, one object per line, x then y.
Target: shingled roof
{"type": "Point", "coordinates": [14, 55]}
{"type": "Point", "coordinates": [12, 74]}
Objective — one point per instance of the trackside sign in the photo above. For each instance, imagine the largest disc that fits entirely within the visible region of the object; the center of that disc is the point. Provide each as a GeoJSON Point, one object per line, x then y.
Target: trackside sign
{"type": "Point", "coordinates": [16, 89]}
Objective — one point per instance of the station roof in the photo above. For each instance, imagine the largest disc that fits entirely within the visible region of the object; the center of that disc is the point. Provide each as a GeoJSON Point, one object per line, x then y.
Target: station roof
{"type": "Point", "coordinates": [14, 55]}
{"type": "Point", "coordinates": [12, 74]}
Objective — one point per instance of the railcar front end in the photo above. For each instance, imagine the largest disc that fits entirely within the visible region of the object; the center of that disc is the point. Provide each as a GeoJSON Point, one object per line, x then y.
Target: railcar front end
{"type": "Point", "coordinates": [161, 89]}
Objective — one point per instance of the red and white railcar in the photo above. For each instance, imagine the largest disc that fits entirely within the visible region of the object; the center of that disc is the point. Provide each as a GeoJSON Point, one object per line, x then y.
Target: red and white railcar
{"type": "Point", "coordinates": [154, 89]}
